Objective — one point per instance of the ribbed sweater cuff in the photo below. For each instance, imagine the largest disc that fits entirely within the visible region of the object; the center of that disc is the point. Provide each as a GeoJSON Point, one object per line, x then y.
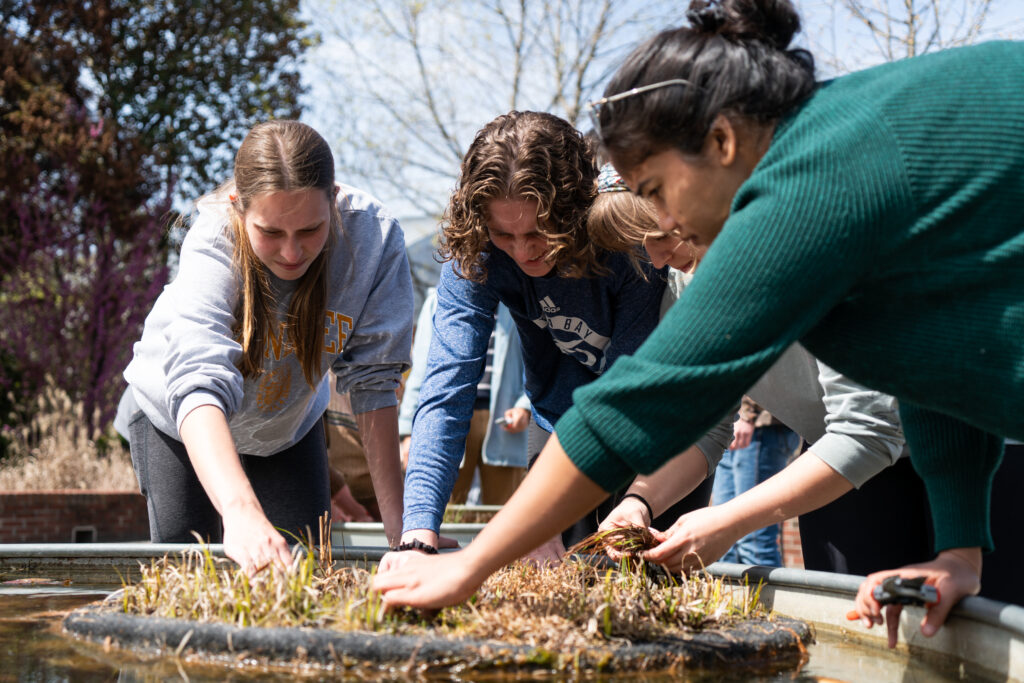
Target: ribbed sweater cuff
{"type": "Point", "coordinates": [961, 512]}
{"type": "Point", "coordinates": [588, 453]}
{"type": "Point", "coordinates": [957, 462]}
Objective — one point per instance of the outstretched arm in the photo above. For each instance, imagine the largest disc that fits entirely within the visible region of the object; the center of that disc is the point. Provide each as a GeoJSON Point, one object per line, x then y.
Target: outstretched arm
{"type": "Point", "coordinates": [249, 537]}
{"type": "Point", "coordinates": [379, 431]}
{"type": "Point", "coordinates": [702, 536]}
{"type": "Point", "coordinates": [957, 462]}
{"type": "Point", "coordinates": [554, 494]}
{"type": "Point", "coordinates": [461, 327]}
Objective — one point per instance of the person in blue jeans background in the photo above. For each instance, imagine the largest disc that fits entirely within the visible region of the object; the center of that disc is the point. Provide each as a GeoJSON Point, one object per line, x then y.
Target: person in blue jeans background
{"type": "Point", "coordinates": [761, 448]}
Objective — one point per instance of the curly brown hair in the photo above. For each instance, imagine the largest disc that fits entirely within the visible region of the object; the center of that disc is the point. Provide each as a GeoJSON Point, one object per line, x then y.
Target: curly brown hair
{"type": "Point", "coordinates": [525, 155]}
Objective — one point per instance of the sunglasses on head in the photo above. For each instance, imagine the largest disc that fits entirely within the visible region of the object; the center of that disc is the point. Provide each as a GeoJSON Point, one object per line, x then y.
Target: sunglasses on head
{"type": "Point", "coordinates": [594, 108]}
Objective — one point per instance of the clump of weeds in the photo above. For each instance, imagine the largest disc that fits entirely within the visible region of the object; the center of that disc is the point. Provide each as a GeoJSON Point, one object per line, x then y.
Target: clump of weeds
{"type": "Point", "coordinates": [560, 608]}
{"type": "Point", "coordinates": [629, 540]}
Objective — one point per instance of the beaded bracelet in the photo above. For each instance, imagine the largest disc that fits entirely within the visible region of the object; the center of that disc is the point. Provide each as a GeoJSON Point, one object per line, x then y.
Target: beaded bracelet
{"type": "Point", "coordinates": [650, 512]}
{"type": "Point", "coordinates": [416, 544]}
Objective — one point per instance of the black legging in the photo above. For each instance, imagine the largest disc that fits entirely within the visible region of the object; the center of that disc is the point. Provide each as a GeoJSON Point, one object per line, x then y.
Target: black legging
{"type": "Point", "coordinates": [588, 524]}
{"type": "Point", "coordinates": [886, 524]}
{"type": "Point", "coordinates": [882, 525]}
{"type": "Point", "coordinates": [1000, 569]}
{"type": "Point", "coordinates": [292, 486]}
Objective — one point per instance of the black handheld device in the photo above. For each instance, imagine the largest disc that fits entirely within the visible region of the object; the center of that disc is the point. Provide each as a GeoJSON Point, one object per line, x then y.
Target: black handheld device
{"type": "Point", "coordinates": [898, 590]}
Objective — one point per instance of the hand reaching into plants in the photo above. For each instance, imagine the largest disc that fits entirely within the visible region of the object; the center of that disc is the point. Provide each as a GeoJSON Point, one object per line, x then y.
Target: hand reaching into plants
{"type": "Point", "coordinates": [426, 581]}
{"type": "Point", "coordinates": [554, 493]}
{"type": "Point", "coordinates": [550, 552]}
{"type": "Point", "coordinates": [955, 573]}
{"type": "Point", "coordinates": [629, 512]}
{"type": "Point", "coordinates": [251, 540]}
{"type": "Point", "coordinates": [393, 560]}
{"type": "Point", "coordinates": [249, 537]}
{"type": "Point", "coordinates": [696, 539]}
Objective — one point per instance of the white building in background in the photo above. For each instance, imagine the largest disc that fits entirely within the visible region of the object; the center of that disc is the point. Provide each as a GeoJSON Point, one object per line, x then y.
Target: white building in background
{"type": "Point", "coordinates": [421, 242]}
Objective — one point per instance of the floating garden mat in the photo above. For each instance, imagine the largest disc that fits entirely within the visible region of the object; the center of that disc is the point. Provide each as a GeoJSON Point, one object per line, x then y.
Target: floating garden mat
{"type": "Point", "coordinates": [575, 617]}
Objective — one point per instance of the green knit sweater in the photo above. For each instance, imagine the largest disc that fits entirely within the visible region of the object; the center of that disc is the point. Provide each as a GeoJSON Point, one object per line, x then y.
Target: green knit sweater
{"type": "Point", "coordinates": [884, 228]}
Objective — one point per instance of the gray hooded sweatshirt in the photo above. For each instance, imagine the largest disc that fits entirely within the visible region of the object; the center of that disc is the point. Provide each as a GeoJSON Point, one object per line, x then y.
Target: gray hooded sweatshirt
{"type": "Point", "coordinates": [187, 356]}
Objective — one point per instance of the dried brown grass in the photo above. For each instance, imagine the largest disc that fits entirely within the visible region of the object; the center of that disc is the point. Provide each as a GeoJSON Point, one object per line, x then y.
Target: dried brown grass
{"type": "Point", "coordinates": [54, 451]}
{"type": "Point", "coordinates": [559, 608]}
{"type": "Point", "coordinates": [630, 540]}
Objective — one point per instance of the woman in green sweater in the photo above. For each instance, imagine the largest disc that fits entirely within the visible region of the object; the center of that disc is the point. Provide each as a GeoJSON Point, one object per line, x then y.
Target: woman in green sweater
{"type": "Point", "coordinates": [875, 217]}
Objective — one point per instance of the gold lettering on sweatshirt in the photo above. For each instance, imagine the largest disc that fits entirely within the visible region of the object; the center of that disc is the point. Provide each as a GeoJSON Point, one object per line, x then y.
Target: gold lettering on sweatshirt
{"type": "Point", "coordinates": [278, 346]}
{"type": "Point", "coordinates": [274, 388]}
{"type": "Point", "coordinates": [336, 332]}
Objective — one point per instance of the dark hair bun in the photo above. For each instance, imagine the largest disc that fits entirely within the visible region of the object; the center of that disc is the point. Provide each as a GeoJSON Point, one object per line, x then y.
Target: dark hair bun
{"type": "Point", "coordinates": [773, 22]}
{"type": "Point", "coordinates": [705, 16]}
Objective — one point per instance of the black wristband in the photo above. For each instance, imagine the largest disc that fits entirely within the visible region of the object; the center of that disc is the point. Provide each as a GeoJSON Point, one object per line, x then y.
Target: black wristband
{"type": "Point", "coordinates": [650, 512]}
{"type": "Point", "coordinates": [417, 544]}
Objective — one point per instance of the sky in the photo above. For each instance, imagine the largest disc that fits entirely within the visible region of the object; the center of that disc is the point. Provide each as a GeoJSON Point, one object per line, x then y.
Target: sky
{"type": "Point", "coordinates": [838, 42]}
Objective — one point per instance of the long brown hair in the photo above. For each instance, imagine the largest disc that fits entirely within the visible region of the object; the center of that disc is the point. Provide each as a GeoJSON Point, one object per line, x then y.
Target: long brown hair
{"type": "Point", "coordinates": [525, 155]}
{"type": "Point", "coordinates": [280, 156]}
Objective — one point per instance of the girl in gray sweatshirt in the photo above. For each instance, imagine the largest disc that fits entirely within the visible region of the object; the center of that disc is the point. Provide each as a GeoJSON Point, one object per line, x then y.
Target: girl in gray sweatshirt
{"type": "Point", "coordinates": [285, 278]}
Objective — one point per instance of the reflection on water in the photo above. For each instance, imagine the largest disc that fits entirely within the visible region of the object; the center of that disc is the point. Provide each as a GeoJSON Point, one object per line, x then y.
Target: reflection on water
{"type": "Point", "coordinates": [30, 647]}
{"type": "Point", "coordinates": [33, 649]}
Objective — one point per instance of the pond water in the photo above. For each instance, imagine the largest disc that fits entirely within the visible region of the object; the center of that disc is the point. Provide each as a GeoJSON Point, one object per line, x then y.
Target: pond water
{"type": "Point", "coordinates": [32, 648]}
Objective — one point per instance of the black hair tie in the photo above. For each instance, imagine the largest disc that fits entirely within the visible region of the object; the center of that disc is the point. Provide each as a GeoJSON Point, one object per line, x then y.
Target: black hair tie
{"type": "Point", "coordinates": [707, 19]}
{"type": "Point", "coordinates": [650, 512]}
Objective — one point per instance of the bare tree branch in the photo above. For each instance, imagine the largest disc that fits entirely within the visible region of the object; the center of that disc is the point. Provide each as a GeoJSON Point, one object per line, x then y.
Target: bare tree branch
{"type": "Point", "coordinates": [413, 80]}
{"type": "Point", "coordinates": [412, 14]}
{"type": "Point", "coordinates": [906, 28]}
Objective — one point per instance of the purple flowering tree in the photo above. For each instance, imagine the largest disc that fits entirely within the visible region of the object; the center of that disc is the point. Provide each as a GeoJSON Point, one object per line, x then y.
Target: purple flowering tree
{"type": "Point", "coordinates": [106, 108]}
{"type": "Point", "coordinates": [75, 294]}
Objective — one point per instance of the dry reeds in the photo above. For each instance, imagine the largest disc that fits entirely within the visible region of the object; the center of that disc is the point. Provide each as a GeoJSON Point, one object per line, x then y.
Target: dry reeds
{"type": "Point", "coordinates": [559, 608]}
{"type": "Point", "coordinates": [53, 451]}
{"type": "Point", "coordinates": [630, 540]}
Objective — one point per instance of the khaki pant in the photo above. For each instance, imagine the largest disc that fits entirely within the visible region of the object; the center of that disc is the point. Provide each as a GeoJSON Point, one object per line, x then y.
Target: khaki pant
{"type": "Point", "coordinates": [345, 455]}
{"type": "Point", "coordinates": [497, 483]}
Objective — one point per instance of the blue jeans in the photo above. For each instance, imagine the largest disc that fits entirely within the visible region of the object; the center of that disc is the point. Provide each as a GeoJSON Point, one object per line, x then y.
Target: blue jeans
{"type": "Point", "coordinates": [745, 468]}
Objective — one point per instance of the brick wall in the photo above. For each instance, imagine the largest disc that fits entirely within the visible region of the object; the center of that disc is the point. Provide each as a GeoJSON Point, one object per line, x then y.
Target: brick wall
{"type": "Point", "coordinates": [73, 516]}
{"type": "Point", "coordinates": [792, 555]}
